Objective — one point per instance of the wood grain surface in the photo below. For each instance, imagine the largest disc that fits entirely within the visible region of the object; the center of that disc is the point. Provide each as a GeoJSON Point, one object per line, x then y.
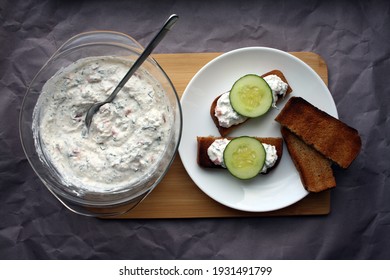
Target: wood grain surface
{"type": "Point", "coordinates": [177, 196]}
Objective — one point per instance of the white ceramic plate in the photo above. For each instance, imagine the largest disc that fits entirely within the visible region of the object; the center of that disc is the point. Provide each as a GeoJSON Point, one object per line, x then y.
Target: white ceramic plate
{"type": "Point", "coordinates": [281, 187]}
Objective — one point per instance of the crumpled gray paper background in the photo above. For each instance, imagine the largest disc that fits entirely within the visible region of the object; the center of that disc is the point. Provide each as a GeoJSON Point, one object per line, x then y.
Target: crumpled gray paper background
{"type": "Point", "coordinates": [353, 37]}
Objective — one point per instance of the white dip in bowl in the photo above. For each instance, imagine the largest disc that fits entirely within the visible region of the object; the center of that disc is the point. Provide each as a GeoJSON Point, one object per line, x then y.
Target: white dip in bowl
{"type": "Point", "coordinates": [127, 137]}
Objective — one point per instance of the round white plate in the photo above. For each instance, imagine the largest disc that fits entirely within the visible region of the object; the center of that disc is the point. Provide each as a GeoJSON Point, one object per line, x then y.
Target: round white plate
{"type": "Point", "coordinates": [281, 187]}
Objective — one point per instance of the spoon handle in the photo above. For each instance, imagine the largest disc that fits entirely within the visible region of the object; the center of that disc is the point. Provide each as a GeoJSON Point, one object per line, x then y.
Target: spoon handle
{"type": "Point", "coordinates": [150, 47]}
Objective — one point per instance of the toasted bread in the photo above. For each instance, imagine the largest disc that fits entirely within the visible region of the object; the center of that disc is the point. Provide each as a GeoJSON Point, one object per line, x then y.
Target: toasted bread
{"type": "Point", "coordinates": [205, 142]}
{"type": "Point", "coordinates": [314, 169]}
{"type": "Point", "coordinates": [329, 136]}
{"type": "Point", "coordinates": [224, 131]}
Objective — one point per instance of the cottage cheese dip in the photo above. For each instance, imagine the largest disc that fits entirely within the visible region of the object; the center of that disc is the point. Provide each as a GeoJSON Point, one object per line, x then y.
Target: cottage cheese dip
{"type": "Point", "coordinates": [127, 137]}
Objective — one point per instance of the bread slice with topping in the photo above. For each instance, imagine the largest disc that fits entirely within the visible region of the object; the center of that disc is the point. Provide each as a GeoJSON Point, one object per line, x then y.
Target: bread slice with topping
{"type": "Point", "coordinates": [314, 169]}
{"type": "Point", "coordinates": [205, 142]}
{"type": "Point", "coordinates": [224, 131]}
{"type": "Point", "coordinates": [329, 136]}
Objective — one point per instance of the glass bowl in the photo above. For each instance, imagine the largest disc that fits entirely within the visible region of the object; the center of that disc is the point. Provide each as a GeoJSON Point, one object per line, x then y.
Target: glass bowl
{"type": "Point", "coordinates": [79, 200]}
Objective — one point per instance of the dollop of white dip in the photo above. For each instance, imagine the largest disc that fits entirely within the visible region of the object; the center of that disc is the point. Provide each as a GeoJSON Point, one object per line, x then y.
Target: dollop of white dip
{"type": "Point", "coordinates": [227, 116]}
{"type": "Point", "coordinates": [127, 137]}
{"type": "Point", "coordinates": [270, 157]}
{"type": "Point", "coordinates": [225, 113]}
{"type": "Point", "coordinates": [278, 87]}
{"type": "Point", "coordinates": [216, 149]}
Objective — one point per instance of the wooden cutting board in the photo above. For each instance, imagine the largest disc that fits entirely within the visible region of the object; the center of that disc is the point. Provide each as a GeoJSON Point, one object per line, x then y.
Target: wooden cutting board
{"type": "Point", "coordinates": [177, 196]}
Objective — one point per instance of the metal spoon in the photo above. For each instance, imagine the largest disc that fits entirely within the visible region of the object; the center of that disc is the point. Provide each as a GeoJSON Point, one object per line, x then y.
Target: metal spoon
{"type": "Point", "coordinates": [156, 40]}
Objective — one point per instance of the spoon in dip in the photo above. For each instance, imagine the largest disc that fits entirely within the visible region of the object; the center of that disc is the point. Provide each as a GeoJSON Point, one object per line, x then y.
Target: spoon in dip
{"type": "Point", "coordinates": [152, 45]}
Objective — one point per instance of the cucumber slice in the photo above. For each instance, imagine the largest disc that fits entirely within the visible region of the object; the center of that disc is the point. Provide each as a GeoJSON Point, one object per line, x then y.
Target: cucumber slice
{"type": "Point", "coordinates": [251, 96]}
{"type": "Point", "coordinates": [244, 157]}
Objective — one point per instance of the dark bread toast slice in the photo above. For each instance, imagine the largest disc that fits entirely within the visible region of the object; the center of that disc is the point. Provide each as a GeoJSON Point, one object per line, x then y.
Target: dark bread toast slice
{"type": "Point", "coordinates": [329, 136]}
{"type": "Point", "coordinates": [226, 130]}
{"type": "Point", "coordinates": [205, 142]}
{"type": "Point", "coordinates": [314, 169]}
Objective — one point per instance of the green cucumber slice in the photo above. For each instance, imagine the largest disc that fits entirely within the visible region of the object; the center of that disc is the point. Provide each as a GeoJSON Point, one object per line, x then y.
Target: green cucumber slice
{"type": "Point", "coordinates": [244, 157]}
{"type": "Point", "coordinates": [251, 96]}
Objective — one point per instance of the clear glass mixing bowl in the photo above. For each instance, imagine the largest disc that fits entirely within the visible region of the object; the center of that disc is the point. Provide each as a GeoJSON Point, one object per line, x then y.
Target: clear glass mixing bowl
{"type": "Point", "coordinates": [93, 203]}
